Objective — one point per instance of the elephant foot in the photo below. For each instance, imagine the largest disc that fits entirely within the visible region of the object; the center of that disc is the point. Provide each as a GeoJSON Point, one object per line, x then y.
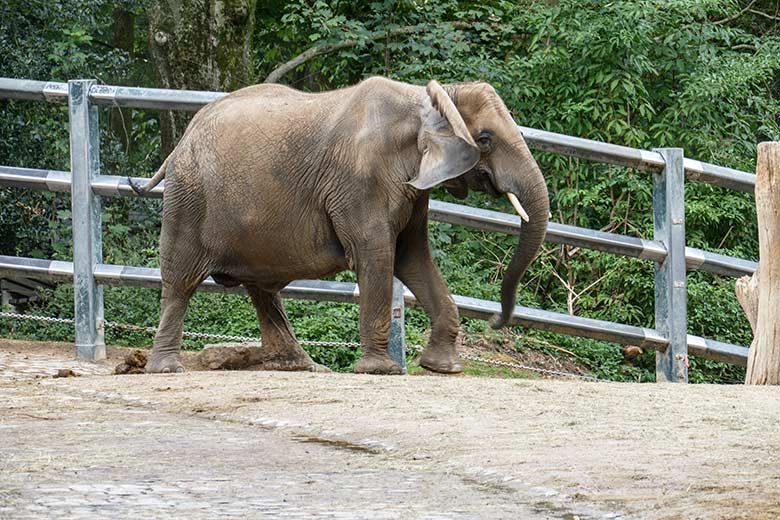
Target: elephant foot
{"type": "Point", "coordinates": [377, 364]}
{"type": "Point", "coordinates": [164, 364]}
{"type": "Point", "coordinates": [442, 362]}
{"type": "Point", "coordinates": [287, 356]}
{"type": "Point", "coordinates": [296, 366]}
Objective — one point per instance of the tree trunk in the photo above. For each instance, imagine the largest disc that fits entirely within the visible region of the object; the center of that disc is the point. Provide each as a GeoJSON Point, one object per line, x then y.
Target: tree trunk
{"type": "Point", "coordinates": [764, 357]}
{"type": "Point", "coordinates": [120, 119]}
{"type": "Point", "coordinates": [200, 45]}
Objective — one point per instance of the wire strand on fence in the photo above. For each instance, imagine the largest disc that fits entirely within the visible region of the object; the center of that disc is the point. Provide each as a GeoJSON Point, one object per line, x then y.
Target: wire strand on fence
{"type": "Point", "coordinates": [203, 335]}
{"type": "Point", "coordinates": [518, 366]}
{"type": "Point", "coordinates": [152, 330]}
{"type": "Point", "coordinates": [349, 344]}
{"type": "Point", "coordinates": [18, 316]}
{"type": "Point", "coordinates": [545, 371]}
{"type": "Point", "coordinates": [228, 337]}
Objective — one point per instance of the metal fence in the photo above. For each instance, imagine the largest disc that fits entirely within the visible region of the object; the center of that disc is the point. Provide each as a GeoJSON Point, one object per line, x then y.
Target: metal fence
{"type": "Point", "coordinates": [667, 250]}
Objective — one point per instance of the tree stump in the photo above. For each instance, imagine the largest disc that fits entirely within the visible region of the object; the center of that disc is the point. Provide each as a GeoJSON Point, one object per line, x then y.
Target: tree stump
{"type": "Point", "coordinates": [763, 367]}
{"type": "Point", "coordinates": [747, 295]}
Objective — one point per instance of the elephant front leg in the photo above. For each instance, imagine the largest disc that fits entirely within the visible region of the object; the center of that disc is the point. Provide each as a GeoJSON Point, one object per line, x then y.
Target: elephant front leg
{"type": "Point", "coordinates": [415, 267]}
{"type": "Point", "coordinates": [375, 279]}
{"type": "Point", "coordinates": [427, 285]}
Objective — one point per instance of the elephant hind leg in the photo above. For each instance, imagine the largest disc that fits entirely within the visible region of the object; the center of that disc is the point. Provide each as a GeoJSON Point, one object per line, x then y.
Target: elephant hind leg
{"type": "Point", "coordinates": [183, 266]}
{"type": "Point", "coordinates": [281, 350]}
{"type": "Point", "coordinates": [182, 269]}
{"type": "Point", "coordinates": [166, 352]}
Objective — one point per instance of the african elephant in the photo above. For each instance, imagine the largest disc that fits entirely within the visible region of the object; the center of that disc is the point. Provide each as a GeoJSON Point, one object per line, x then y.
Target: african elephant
{"type": "Point", "coordinates": [270, 185]}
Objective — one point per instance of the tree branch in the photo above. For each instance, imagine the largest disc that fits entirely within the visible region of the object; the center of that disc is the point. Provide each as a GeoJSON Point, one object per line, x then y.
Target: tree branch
{"type": "Point", "coordinates": [765, 15]}
{"type": "Point", "coordinates": [320, 49]}
{"type": "Point", "coordinates": [734, 16]}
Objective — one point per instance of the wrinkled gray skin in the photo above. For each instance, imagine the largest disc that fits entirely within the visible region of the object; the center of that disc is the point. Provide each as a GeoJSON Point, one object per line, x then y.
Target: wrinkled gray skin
{"type": "Point", "coordinates": [270, 185]}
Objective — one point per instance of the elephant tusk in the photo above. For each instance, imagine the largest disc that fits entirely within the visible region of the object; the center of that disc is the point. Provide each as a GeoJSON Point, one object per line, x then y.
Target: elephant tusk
{"type": "Point", "coordinates": [518, 207]}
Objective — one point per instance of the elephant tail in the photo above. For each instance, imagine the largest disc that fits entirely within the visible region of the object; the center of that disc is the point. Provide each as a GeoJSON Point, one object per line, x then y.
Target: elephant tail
{"type": "Point", "coordinates": [154, 181]}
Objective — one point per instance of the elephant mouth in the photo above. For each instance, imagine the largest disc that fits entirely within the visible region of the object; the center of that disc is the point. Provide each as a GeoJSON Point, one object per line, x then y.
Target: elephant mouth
{"type": "Point", "coordinates": [485, 180]}
{"type": "Point", "coordinates": [481, 179]}
{"type": "Point", "coordinates": [478, 179]}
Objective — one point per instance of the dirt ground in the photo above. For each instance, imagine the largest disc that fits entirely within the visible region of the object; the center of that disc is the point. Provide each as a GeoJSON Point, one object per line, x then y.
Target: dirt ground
{"type": "Point", "coordinates": [294, 445]}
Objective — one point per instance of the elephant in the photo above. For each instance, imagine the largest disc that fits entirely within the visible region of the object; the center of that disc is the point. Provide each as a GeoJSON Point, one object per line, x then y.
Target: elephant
{"type": "Point", "coordinates": [269, 184]}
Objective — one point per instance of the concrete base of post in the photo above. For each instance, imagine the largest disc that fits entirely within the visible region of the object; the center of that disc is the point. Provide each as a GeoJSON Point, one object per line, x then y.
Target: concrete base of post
{"type": "Point", "coordinates": [91, 352]}
{"type": "Point", "coordinates": [396, 347]}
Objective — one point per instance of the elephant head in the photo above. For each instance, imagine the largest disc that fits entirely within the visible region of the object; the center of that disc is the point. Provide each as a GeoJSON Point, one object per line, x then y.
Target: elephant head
{"type": "Point", "coordinates": [468, 140]}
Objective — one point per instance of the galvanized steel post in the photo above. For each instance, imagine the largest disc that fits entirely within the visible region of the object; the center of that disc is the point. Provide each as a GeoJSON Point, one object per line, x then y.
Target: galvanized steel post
{"type": "Point", "coordinates": [87, 243]}
{"type": "Point", "coordinates": [671, 308]}
{"type": "Point", "coordinates": [396, 347]}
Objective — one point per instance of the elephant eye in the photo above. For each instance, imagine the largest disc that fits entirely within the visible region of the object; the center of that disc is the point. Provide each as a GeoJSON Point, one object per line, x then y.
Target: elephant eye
{"type": "Point", "coordinates": [484, 143]}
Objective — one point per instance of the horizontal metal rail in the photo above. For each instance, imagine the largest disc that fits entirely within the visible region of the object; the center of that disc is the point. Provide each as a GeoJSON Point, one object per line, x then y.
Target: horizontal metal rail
{"type": "Point", "coordinates": [345, 292]}
{"type": "Point", "coordinates": [155, 98]}
{"type": "Point", "coordinates": [35, 179]}
{"type": "Point", "coordinates": [477, 218]}
{"type": "Point", "coordinates": [737, 180]}
{"type": "Point", "coordinates": [11, 88]}
{"type": "Point", "coordinates": [543, 140]}
{"type": "Point", "coordinates": [634, 158]}
{"type": "Point", "coordinates": [488, 220]}
{"type": "Point", "coordinates": [717, 263]}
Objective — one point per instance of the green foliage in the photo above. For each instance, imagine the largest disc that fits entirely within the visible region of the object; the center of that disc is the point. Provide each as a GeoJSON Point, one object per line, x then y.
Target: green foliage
{"type": "Point", "coordinates": [699, 74]}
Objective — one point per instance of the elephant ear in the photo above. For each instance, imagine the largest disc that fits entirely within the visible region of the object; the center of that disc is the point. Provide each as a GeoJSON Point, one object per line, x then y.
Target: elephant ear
{"type": "Point", "coordinates": [448, 150]}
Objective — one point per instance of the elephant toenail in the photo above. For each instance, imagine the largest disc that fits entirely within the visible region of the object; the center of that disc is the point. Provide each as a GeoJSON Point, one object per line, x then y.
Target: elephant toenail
{"type": "Point", "coordinates": [166, 370]}
{"type": "Point", "coordinates": [179, 370]}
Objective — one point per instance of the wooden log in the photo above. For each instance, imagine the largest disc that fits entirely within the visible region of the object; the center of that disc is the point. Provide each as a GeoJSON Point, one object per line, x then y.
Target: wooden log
{"type": "Point", "coordinates": [764, 357]}
{"type": "Point", "coordinates": [747, 295]}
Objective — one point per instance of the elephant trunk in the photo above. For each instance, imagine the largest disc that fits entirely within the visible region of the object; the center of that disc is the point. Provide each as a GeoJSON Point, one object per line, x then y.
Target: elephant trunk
{"type": "Point", "coordinates": [531, 190]}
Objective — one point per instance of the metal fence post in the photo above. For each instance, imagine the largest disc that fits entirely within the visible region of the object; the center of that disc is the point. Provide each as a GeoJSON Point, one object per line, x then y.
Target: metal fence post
{"type": "Point", "coordinates": [396, 347]}
{"type": "Point", "coordinates": [671, 308]}
{"type": "Point", "coordinates": [85, 206]}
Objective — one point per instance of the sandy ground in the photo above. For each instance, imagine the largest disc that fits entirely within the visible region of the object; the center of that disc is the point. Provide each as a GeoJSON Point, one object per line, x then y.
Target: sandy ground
{"type": "Point", "coordinates": [271, 444]}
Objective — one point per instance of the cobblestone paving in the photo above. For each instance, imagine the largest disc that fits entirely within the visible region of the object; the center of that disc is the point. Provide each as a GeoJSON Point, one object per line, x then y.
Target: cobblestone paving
{"type": "Point", "coordinates": [67, 456]}
{"type": "Point", "coordinates": [294, 445]}
{"type": "Point", "coordinates": [18, 366]}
